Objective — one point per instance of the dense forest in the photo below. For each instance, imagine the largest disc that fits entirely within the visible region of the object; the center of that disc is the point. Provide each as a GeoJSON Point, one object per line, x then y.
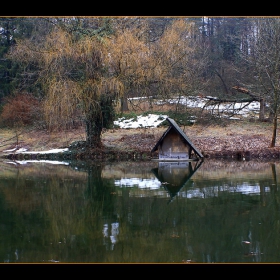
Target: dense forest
{"type": "Point", "coordinates": [62, 71]}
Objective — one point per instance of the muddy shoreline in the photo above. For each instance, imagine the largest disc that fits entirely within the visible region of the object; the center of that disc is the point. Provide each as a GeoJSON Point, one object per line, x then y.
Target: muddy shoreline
{"type": "Point", "coordinates": [115, 155]}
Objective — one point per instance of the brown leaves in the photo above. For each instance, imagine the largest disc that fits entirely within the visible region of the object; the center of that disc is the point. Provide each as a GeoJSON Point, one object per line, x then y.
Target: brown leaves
{"type": "Point", "coordinates": [144, 142]}
{"type": "Point", "coordinates": [22, 109]}
{"type": "Point", "coordinates": [231, 143]}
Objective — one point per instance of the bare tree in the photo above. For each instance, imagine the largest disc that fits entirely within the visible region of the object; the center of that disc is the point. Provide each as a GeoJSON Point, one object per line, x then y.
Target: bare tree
{"type": "Point", "coordinates": [264, 57]}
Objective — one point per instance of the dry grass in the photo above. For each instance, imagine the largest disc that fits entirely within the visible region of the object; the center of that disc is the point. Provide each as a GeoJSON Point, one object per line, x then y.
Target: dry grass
{"type": "Point", "coordinates": [39, 140]}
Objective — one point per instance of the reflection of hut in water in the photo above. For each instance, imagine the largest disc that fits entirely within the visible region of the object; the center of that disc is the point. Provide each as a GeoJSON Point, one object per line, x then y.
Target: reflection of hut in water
{"type": "Point", "coordinates": [175, 145]}
{"type": "Point", "coordinates": [174, 175]}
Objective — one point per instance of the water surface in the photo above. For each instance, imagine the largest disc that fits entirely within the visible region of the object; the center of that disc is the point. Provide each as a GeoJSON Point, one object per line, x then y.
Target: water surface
{"type": "Point", "coordinates": [139, 212]}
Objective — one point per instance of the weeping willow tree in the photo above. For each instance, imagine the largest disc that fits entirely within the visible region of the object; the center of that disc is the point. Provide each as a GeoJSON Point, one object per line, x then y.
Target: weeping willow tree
{"type": "Point", "coordinates": [130, 61]}
{"type": "Point", "coordinates": [74, 75]}
{"type": "Point", "coordinates": [178, 61]}
{"type": "Point", "coordinates": [162, 67]}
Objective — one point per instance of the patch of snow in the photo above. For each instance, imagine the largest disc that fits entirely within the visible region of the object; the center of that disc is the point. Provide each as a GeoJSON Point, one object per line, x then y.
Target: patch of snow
{"type": "Point", "coordinates": [37, 161]}
{"type": "Point", "coordinates": [43, 161]}
{"type": "Point", "coordinates": [151, 120]}
{"type": "Point", "coordinates": [11, 150]}
{"type": "Point", "coordinates": [22, 150]}
{"type": "Point", "coordinates": [53, 151]}
{"type": "Point", "coordinates": [199, 102]}
{"type": "Point", "coordinates": [11, 162]}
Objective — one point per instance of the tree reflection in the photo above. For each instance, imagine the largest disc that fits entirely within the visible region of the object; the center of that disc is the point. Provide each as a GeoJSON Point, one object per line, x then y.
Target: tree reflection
{"type": "Point", "coordinates": [101, 200]}
{"type": "Point", "coordinates": [78, 213]}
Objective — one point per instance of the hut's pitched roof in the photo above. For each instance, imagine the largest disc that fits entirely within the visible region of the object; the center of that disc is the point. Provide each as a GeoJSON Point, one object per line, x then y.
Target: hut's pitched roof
{"type": "Point", "coordinates": [181, 132]}
{"type": "Point", "coordinates": [172, 188]}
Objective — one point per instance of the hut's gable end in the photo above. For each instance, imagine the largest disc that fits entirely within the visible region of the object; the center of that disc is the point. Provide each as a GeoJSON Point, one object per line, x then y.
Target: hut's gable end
{"type": "Point", "coordinates": [173, 146]}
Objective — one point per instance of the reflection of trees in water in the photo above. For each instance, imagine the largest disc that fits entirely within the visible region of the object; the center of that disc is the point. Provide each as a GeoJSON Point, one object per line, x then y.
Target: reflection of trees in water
{"type": "Point", "coordinates": [225, 168]}
{"type": "Point", "coordinates": [53, 212]}
{"type": "Point", "coordinates": [265, 227]}
{"type": "Point", "coordinates": [208, 230]}
{"type": "Point", "coordinates": [84, 219]}
{"type": "Point", "coordinates": [101, 200]}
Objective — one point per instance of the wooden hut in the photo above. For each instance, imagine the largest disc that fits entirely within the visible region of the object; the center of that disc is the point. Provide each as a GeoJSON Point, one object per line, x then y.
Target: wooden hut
{"type": "Point", "coordinates": [175, 145]}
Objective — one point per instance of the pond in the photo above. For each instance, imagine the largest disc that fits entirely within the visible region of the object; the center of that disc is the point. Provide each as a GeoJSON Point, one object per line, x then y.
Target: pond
{"type": "Point", "coordinates": [139, 212]}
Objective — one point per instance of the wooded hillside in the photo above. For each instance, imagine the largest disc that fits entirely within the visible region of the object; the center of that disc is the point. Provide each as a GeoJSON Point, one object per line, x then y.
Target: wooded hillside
{"type": "Point", "coordinates": [62, 73]}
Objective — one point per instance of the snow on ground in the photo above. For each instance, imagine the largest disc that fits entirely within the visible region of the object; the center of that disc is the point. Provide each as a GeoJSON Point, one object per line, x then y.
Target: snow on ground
{"type": "Point", "coordinates": [151, 120]}
{"type": "Point", "coordinates": [199, 102]}
{"type": "Point", "coordinates": [53, 151]}
{"type": "Point", "coordinates": [25, 151]}
{"type": "Point", "coordinates": [37, 161]}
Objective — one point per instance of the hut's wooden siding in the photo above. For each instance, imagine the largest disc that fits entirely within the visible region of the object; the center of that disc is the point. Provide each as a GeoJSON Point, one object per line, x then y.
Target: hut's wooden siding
{"type": "Point", "coordinates": [173, 147]}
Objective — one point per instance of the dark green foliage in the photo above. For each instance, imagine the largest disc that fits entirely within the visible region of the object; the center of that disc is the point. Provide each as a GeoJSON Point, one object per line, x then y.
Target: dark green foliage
{"type": "Point", "coordinates": [11, 74]}
{"type": "Point", "coordinates": [81, 27]}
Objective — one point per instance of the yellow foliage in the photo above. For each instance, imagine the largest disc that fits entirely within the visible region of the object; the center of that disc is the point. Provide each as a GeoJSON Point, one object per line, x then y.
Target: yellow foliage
{"type": "Point", "coordinates": [80, 72]}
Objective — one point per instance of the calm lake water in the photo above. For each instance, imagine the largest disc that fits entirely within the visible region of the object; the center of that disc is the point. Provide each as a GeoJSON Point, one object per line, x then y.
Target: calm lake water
{"type": "Point", "coordinates": [139, 212]}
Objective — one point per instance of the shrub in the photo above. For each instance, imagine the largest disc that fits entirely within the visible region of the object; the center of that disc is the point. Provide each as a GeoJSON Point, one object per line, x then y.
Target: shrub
{"type": "Point", "coordinates": [19, 110]}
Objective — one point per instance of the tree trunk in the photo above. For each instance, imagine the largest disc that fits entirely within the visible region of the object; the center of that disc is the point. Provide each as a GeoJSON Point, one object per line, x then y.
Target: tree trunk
{"type": "Point", "coordinates": [93, 131]}
{"type": "Point", "coordinates": [124, 104]}
{"type": "Point", "coordinates": [274, 130]}
{"type": "Point", "coordinates": [262, 106]}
